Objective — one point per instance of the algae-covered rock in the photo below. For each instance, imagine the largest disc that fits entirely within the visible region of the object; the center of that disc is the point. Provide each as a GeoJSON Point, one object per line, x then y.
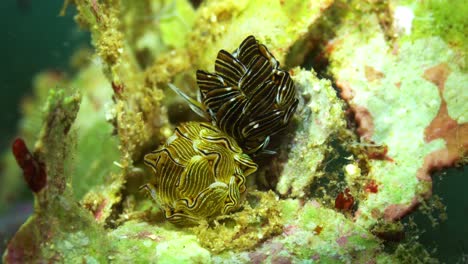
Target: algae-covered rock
{"type": "Point", "coordinates": [356, 158]}
{"type": "Point", "coordinates": [401, 94]}
{"type": "Point", "coordinates": [320, 121]}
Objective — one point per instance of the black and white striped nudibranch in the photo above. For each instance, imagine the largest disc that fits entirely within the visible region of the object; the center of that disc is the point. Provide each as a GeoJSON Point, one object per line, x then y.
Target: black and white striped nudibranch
{"type": "Point", "coordinates": [200, 171]}
{"type": "Point", "coordinates": [248, 97]}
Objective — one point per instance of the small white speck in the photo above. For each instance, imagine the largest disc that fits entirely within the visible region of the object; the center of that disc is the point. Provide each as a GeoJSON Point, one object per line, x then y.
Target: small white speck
{"type": "Point", "coordinates": [316, 88]}
{"type": "Point", "coordinates": [403, 19]}
{"type": "Point", "coordinates": [256, 126]}
{"type": "Point", "coordinates": [171, 139]}
{"type": "Point", "coordinates": [118, 164]}
{"type": "Point", "coordinates": [352, 169]}
{"type": "Point", "coordinates": [213, 19]}
{"type": "Point", "coordinates": [152, 236]}
{"type": "Point", "coordinates": [109, 111]}
{"type": "Point", "coordinates": [147, 243]}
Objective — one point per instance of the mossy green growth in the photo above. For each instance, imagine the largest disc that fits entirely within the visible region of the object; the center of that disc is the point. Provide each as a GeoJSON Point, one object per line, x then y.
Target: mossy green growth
{"type": "Point", "coordinates": [243, 230]}
{"type": "Point", "coordinates": [57, 217]}
{"type": "Point", "coordinates": [12, 185]}
{"type": "Point", "coordinates": [315, 233]}
{"type": "Point", "coordinates": [96, 147]}
{"type": "Point", "coordinates": [55, 140]}
{"type": "Point", "coordinates": [435, 18]}
{"type": "Point", "coordinates": [176, 23]}
{"type": "Point", "coordinates": [96, 152]}
{"type": "Point", "coordinates": [456, 101]}
{"type": "Point", "coordinates": [140, 242]}
{"type": "Point", "coordinates": [230, 22]}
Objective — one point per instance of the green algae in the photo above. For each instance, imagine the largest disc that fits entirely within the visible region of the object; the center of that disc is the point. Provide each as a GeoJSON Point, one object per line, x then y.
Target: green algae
{"type": "Point", "coordinates": [455, 100]}
{"type": "Point", "coordinates": [96, 149]}
{"type": "Point", "coordinates": [39, 235]}
{"type": "Point", "coordinates": [231, 22]}
{"type": "Point", "coordinates": [141, 242]}
{"type": "Point", "coordinates": [12, 187]}
{"type": "Point", "coordinates": [177, 23]}
{"type": "Point", "coordinates": [437, 19]}
{"type": "Point", "coordinates": [379, 81]}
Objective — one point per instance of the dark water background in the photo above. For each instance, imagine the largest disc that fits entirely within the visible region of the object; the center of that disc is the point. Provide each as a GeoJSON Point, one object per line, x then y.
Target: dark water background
{"type": "Point", "coordinates": [35, 38]}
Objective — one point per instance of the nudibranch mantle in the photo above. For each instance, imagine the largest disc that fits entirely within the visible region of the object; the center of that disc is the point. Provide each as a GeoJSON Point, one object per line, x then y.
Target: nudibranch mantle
{"type": "Point", "coordinates": [249, 97]}
{"type": "Point", "coordinates": [199, 174]}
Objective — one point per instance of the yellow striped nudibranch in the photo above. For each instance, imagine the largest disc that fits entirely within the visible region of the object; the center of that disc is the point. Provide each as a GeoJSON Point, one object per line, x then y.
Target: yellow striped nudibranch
{"type": "Point", "coordinates": [201, 170]}
{"type": "Point", "coordinates": [248, 97]}
{"type": "Point", "coordinates": [200, 174]}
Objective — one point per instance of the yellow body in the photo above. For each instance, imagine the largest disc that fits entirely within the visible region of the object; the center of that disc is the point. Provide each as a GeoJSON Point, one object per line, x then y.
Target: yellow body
{"type": "Point", "coordinates": [199, 174]}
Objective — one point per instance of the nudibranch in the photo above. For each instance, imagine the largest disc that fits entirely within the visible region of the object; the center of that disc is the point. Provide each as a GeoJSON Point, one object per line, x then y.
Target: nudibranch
{"type": "Point", "coordinates": [248, 96]}
{"type": "Point", "coordinates": [200, 174]}
{"type": "Point", "coordinates": [202, 168]}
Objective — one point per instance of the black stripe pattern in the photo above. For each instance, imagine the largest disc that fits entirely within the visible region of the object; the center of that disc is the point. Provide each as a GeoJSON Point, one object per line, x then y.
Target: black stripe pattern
{"type": "Point", "coordinates": [199, 174]}
{"type": "Point", "coordinates": [248, 97]}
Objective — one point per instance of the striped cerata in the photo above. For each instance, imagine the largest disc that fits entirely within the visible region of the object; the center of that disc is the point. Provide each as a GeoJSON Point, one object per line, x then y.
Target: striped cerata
{"type": "Point", "coordinates": [248, 96]}
{"type": "Point", "coordinates": [200, 174]}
